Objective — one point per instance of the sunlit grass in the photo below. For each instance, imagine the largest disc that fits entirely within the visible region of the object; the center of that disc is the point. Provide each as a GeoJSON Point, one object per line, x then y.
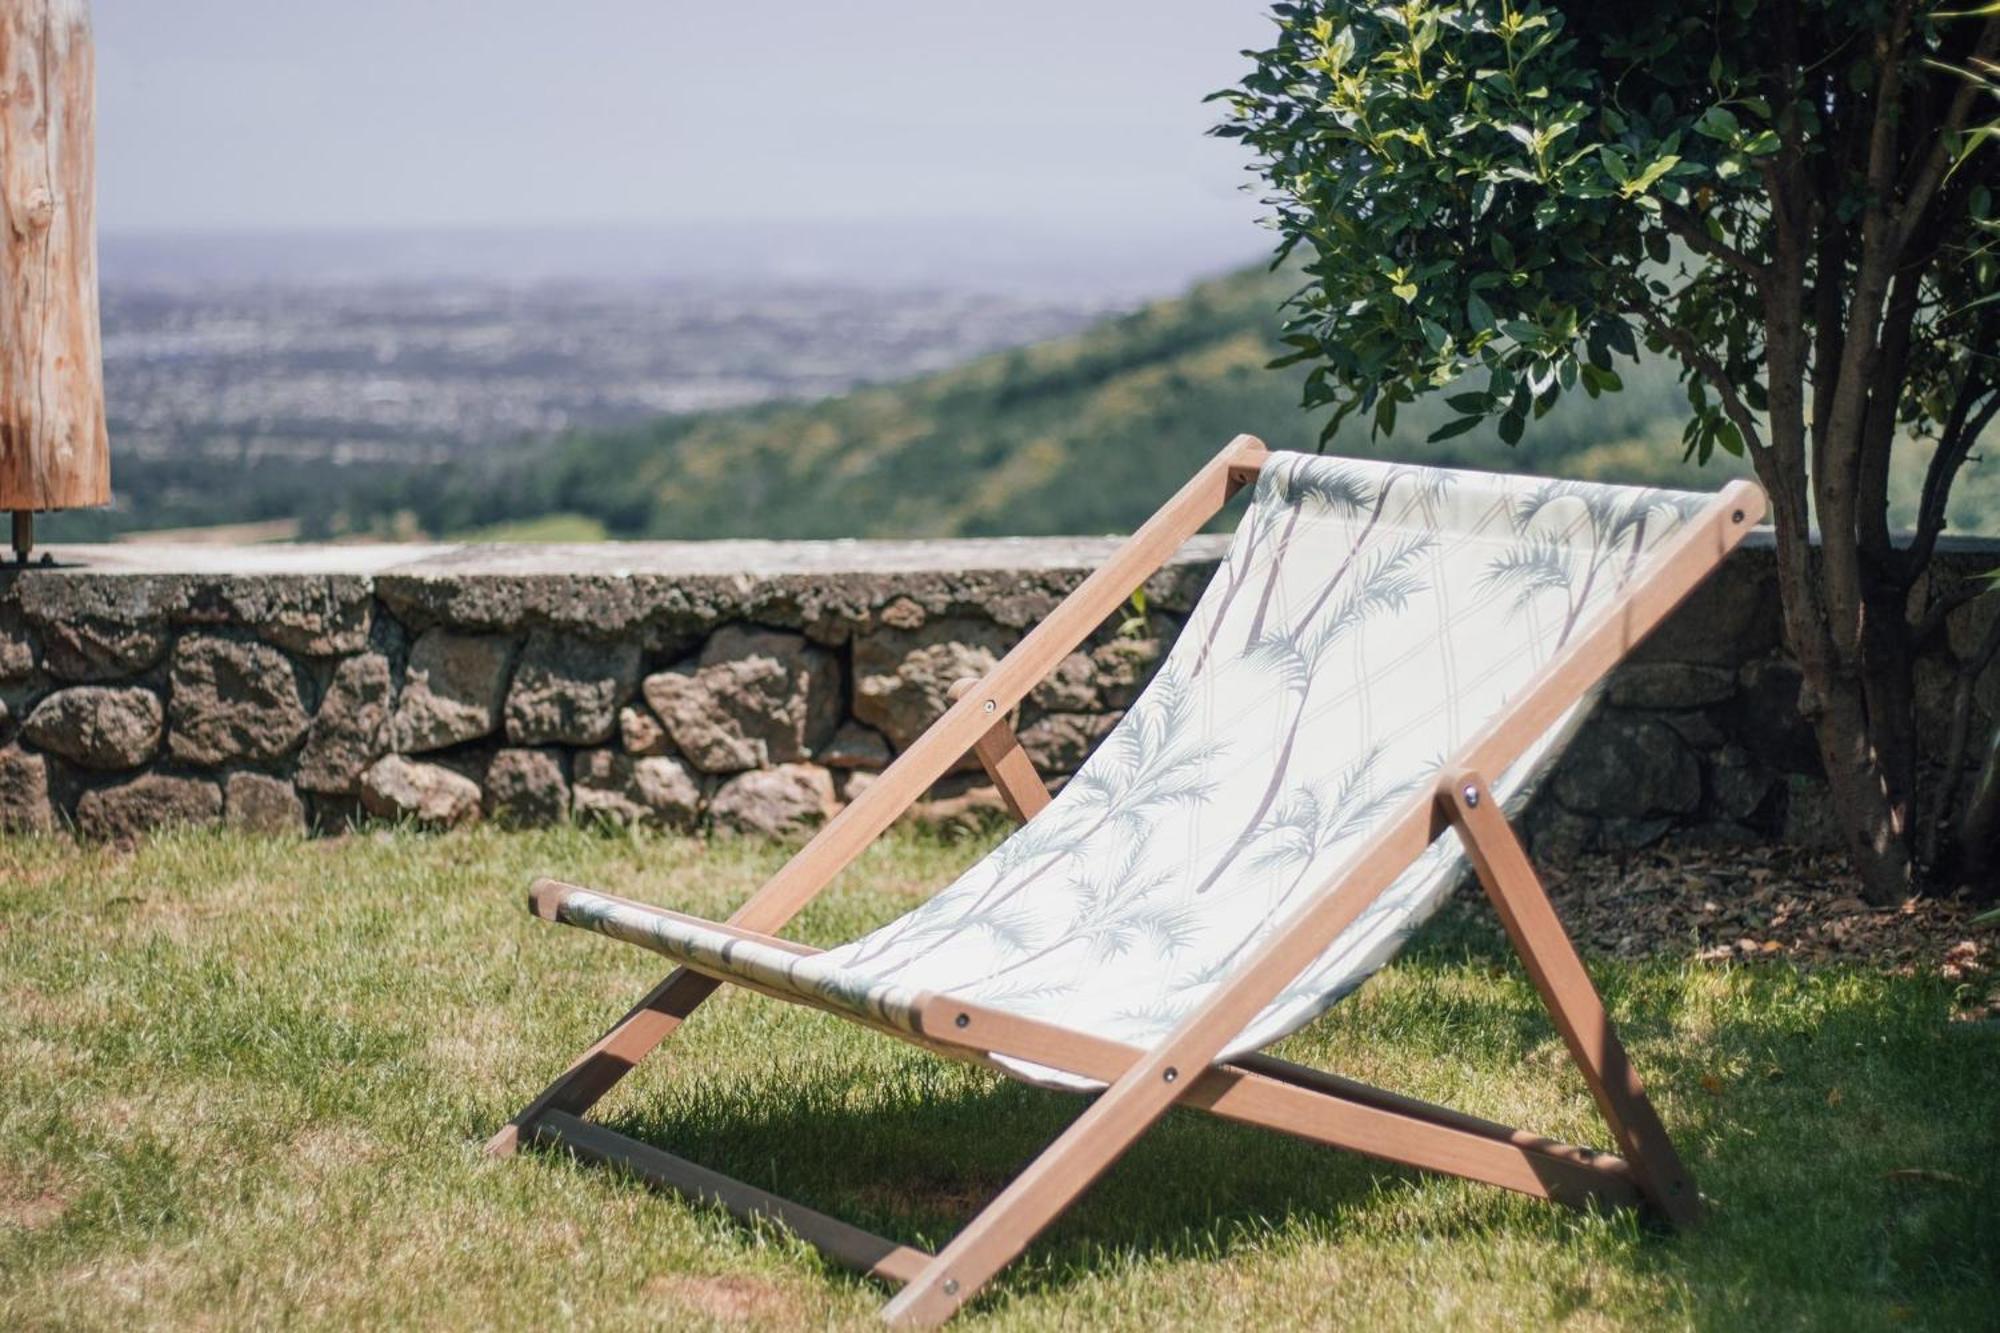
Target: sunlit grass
{"type": "Point", "coordinates": [245, 1082]}
{"type": "Point", "coordinates": [547, 528]}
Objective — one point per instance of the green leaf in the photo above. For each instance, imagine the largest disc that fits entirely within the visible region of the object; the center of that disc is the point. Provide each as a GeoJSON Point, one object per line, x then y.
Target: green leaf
{"type": "Point", "coordinates": [1478, 314]}
{"type": "Point", "coordinates": [1407, 291]}
{"type": "Point", "coordinates": [1718, 122]}
{"type": "Point", "coordinates": [1511, 427]}
{"type": "Point", "coordinates": [1470, 403]}
{"type": "Point", "coordinates": [1761, 144]}
{"type": "Point", "coordinates": [1453, 429]}
{"type": "Point", "coordinates": [1656, 169]}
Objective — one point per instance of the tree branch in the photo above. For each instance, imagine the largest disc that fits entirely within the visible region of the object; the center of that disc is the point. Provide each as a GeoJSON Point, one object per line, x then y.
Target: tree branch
{"type": "Point", "coordinates": [1878, 426]}
{"type": "Point", "coordinates": [1962, 431]}
{"type": "Point", "coordinates": [1688, 227]}
{"type": "Point", "coordinates": [1930, 170]}
{"type": "Point", "coordinates": [1924, 631]}
{"type": "Point", "coordinates": [1709, 369]}
{"type": "Point", "coordinates": [1837, 453]}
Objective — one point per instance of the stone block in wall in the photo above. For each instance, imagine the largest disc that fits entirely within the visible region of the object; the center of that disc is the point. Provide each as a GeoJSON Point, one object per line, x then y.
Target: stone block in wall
{"type": "Point", "coordinates": [657, 790]}
{"type": "Point", "coordinates": [640, 732]}
{"type": "Point", "coordinates": [567, 689]}
{"type": "Point", "coordinates": [855, 746]}
{"type": "Point", "coordinates": [784, 801]}
{"type": "Point", "coordinates": [1739, 786]}
{"type": "Point", "coordinates": [87, 649]}
{"type": "Point", "coordinates": [321, 616]}
{"type": "Point", "coordinates": [1966, 627]}
{"type": "Point", "coordinates": [1555, 834]}
{"type": "Point", "coordinates": [350, 730]}
{"type": "Point", "coordinates": [1070, 687]}
{"type": "Point", "coordinates": [1670, 685]}
{"type": "Point", "coordinates": [230, 699]}
{"type": "Point", "coordinates": [1765, 717]}
{"type": "Point", "coordinates": [902, 677]}
{"type": "Point", "coordinates": [1726, 621]}
{"type": "Point", "coordinates": [526, 787]}
{"type": "Point", "coordinates": [754, 697]}
{"type": "Point", "coordinates": [1125, 665]}
{"type": "Point", "coordinates": [452, 690]}
{"type": "Point", "coordinates": [1628, 766]}
{"type": "Point", "coordinates": [1698, 727]}
{"type": "Point", "coordinates": [260, 803]}
{"type": "Point", "coordinates": [17, 658]}
{"type": "Point", "coordinates": [395, 787]}
{"type": "Point", "coordinates": [1107, 677]}
{"type": "Point", "coordinates": [98, 726]}
{"type": "Point", "coordinates": [902, 613]}
{"type": "Point", "coordinates": [1059, 742]}
{"type": "Point", "coordinates": [149, 802]}
{"type": "Point", "coordinates": [964, 799]}
{"type": "Point", "coordinates": [24, 792]}
{"type": "Point", "coordinates": [95, 627]}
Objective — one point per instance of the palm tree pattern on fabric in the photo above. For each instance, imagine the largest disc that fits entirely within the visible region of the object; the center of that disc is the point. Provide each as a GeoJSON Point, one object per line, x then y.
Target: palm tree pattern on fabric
{"type": "Point", "coordinates": [1369, 620]}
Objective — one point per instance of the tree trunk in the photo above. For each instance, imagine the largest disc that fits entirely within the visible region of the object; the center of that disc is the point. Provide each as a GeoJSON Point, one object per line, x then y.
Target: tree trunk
{"type": "Point", "coordinates": [53, 449]}
{"type": "Point", "coordinates": [1835, 701]}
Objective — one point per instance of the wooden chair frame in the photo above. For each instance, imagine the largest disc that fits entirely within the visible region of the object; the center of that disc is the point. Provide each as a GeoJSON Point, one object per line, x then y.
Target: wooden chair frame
{"type": "Point", "coordinates": [1141, 1085]}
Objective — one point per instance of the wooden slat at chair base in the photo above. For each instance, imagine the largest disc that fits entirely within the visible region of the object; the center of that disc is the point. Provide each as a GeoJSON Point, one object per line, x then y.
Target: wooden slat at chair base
{"type": "Point", "coordinates": [860, 1250]}
{"type": "Point", "coordinates": [1141, 1085]}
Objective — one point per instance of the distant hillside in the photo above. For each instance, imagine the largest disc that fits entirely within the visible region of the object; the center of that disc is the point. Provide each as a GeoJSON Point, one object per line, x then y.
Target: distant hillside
{"type": "Point", "coordinates": [1080, 434]}
{"type": "Point", "coordinates": [1086, 433]}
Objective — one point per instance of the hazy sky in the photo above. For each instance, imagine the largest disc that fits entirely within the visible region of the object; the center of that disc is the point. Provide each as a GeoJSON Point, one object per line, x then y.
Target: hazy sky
{"type": "Point", "coordinates": [369, 113]}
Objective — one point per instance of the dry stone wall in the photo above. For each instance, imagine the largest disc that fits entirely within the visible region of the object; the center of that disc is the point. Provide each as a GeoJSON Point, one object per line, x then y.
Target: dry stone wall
{"type": "Point", "coordinates": [743, 686]}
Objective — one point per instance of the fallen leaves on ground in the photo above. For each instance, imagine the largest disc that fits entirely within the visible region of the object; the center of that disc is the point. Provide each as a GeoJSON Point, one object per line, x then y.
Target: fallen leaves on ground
{"type": "Point", "coordinates": [1748, 903]}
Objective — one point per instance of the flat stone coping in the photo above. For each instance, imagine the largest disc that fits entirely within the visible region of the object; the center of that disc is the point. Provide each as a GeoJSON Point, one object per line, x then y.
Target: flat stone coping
{"type": "Point", "coordinates": [613, 559]}
{"type": "Point", "coordinates": [700, 559]}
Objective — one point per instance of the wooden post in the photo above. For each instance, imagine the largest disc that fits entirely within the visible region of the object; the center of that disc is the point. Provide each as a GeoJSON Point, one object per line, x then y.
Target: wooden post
{"type": "Point", "coordinates": [53, 449]}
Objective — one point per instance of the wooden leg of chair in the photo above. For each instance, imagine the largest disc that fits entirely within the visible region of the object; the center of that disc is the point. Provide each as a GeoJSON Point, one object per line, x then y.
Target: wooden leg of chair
{"type": "Point", "coordinates": [1537, 933]}
{"type": "Point", "coordinates": [598, 1069]}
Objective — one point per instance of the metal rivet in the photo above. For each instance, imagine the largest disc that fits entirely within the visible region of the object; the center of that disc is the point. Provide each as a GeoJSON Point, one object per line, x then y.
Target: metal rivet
{"type": "Point", "coordinates": [990, 705]}
{"type": "Point", "coordinates": [1736, 517]}
{"type": "Point", "coordinates": [951, 1286]}
{"type": "Point", "coordinates": [1472, 795]}
{"type": "Point", "coordinates": [1171, 1074]}
{"type": "Point", "coordinates": [964, 1020]}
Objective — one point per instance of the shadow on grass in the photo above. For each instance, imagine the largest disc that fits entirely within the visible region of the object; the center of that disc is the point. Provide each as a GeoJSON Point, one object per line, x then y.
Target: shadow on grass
{"type": "Point", "coordinates": [1844, 1136]}
{"type": "Point", "coordinates": [916, 1166]}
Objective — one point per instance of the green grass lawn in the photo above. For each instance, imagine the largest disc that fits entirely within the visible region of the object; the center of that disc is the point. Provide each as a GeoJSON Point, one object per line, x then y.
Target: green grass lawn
{"type": "Point", "coordinates": [246, 1082]}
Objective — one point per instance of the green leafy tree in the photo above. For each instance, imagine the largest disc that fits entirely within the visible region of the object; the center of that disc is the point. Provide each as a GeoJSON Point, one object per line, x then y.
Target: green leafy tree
{"type": "Point", "coordinates": [1792, 198]}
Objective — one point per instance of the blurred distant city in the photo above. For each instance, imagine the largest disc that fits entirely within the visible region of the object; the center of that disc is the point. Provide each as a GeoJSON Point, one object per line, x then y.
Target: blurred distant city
{"type": "Point", "coordinates": [419, 372]}
{"type": "Point", "coordinates": [248, 376]}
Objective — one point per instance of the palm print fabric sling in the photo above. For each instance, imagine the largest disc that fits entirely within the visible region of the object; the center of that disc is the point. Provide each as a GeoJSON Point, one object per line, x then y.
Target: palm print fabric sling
{"type": "Point", "coordinates": [1370, 618]}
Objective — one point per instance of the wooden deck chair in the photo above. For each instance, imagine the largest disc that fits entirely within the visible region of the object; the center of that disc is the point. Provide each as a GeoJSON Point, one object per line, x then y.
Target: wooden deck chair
{"type": "Point", "coordinates": [1386, 656]}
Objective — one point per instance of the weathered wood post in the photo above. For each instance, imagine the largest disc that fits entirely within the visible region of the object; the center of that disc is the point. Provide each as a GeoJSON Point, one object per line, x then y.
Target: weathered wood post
{"type": "Point", "coordinates": [53, 450]}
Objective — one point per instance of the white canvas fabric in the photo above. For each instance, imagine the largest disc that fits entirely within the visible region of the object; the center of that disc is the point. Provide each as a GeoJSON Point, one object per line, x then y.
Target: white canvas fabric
{"type": "Point", "coordinates": [1369, 620]}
